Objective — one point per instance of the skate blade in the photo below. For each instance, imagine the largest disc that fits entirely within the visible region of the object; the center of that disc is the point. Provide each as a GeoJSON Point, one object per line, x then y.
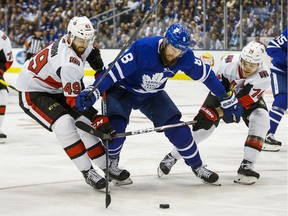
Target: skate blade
{"type": "Point", "coordinates": [271, 148]}
{"type": "Point", "coordinates": [2, 140]}
{"type": "Point", "coordinates": [159, 172]}
{"type": "Point", "coordinates": [217, 183]}
{"type": "Point", "coordinates": [245, 180]}
{"type": "Point", "coordinates": [127, 181]}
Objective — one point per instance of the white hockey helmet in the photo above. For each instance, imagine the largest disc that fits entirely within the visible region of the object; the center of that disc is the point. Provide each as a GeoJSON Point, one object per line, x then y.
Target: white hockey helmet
{"type": "Point", "coordinates": [80, 27]}
{"type": "Point", "coordinates": [253, 52]}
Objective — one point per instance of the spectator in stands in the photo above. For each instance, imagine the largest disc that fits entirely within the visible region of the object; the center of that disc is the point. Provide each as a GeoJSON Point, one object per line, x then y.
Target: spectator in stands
{"type": "Point", "coordinates": [234, 42]}
{"type": "Point", "coordinates": [256, 29]}
{"type": "Point", "coordinates": [55, 13]}
{"type": "Point", "coordinates": [266, 31]}
{"type": "Point", "coordinates": [250, 20]}
{"type": "Point", "coordinates": [51, 37]}
{"type": "Point", "coordinates": [215, 44]}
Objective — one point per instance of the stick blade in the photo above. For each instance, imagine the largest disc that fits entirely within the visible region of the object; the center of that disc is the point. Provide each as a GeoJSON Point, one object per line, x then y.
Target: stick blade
{"type": "Point", "coordinates": [107, 200]}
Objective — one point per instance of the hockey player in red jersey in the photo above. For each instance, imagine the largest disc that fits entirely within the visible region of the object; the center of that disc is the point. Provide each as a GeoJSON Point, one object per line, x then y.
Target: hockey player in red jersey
{"type": "Point", "coordinates": [6, 60]}
{"type": "Point", "coordinates": [49, 83]}
{"type": "Point", "coordinates": [248, 76]}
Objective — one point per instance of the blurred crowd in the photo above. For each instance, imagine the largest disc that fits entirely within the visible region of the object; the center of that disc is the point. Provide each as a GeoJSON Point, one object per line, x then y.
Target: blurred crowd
{"type": "Point", "coordinates": [259, 19]}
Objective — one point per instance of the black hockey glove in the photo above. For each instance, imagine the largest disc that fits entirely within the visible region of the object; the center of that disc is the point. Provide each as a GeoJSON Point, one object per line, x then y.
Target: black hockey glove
{"type": "Point", "coordinates": [101, 123]}
{"type": "Point", "coordinates": [94, 59]}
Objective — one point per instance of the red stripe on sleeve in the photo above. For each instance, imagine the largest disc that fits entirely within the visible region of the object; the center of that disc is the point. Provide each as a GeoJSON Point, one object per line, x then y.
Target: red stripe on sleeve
{"type": "Point", "coordinates": [246, 101]}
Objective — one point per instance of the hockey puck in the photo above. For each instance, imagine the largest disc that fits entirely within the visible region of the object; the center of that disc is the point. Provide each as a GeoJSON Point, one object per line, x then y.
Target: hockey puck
{"type": "Point", "coordinates": [164, 206]}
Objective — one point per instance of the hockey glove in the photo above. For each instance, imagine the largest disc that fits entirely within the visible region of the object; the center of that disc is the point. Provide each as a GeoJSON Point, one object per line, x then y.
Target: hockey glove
{"type": "Point", "coordinates": [101, 123]}
{"type": "Point", "coordinates": [94, 59]}
{"type": "Point", "coordinates": [82, 102]}
{"type": "Point", "coordinates": [231, 107]}
{"type": "Point", "coordinates": [233, 114]}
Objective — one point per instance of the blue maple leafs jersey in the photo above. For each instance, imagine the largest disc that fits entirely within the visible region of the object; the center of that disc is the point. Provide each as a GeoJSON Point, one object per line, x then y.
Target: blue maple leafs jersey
{"type": "Point", "coordinates": [141, 71]}
{"type": "Point", "coordinates": [277, 50]}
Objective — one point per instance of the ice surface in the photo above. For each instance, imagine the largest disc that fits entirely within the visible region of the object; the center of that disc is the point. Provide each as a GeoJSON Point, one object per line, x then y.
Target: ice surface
{"type": "Point", "coordinates": [38, 179]}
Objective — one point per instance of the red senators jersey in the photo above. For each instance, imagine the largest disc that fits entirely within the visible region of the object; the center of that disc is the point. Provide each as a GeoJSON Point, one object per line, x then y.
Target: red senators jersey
{"type": "Point", "coordinates": [6, 57]}
{"type": "Point", "coordinates": [248, 89]}
{"type": "Point", "coordinates": [55, 69]}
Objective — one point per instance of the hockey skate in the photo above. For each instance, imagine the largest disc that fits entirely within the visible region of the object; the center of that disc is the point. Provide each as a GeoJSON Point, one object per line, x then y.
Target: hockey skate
{"type": "Point", "coordinates": [95, 180]}
{"type": "Point", "coordinates": [166, 165]}
{"type": "Point", "coordinates": [119, 177]}
{"type": "Point", "coordinates": [271, 144]}
{"type": "Point", "coordinates": [3, 138]}
{"type": "Point", "coordinates": [206, 175]}
{"type": "Point", "coordinates": [246, 174]}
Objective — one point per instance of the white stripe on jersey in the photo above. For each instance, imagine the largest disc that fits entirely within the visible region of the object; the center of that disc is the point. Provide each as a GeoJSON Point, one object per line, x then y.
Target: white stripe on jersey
{"type": "Point", "coordinates": [276, 68]}
{"type": "Point", "coordinates": [276, 87]}
{"type": "Point", "coordinates": [145, 92]}
{"type": "Point", "coordinates": [205, 74]}
{"type": "Point", "coordinates": [120, 72]}
{"type": "Point", "coordinates": [112, 76]}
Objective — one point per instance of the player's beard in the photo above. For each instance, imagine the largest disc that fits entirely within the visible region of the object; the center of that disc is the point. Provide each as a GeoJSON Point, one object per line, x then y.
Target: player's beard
{"type": "Point", "coordinates": [164, 59]}
{"type": "Point", "coordinates": [79, 53]}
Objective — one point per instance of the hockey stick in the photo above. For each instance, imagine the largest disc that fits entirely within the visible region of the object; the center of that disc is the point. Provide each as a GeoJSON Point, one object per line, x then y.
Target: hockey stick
{"type": "Point", "coordinates": [124, 48]}
{"type": "Point", "coordinates": [8, 85]}
{"type": "Point", "coordinates": [108, 196]}
{"type": "Point", "coordinates": [85, 127]}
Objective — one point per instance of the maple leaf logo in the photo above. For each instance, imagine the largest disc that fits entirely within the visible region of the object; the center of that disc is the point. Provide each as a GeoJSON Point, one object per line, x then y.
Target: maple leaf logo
{"type": "Point", "coordinates": [151, 83]}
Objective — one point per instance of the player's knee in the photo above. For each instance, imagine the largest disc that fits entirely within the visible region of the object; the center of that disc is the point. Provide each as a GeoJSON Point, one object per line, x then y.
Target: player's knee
{"type": "Point", "coordinates": [180, 136]}
{"type": "Point", "coordinates": [119, 123]}
{"type": "Point", "coordinates": [259, 122]}
{"type": "Point", "coordinates": [65, 129]}
{"type": "Point", "coordinates": [280, 100]}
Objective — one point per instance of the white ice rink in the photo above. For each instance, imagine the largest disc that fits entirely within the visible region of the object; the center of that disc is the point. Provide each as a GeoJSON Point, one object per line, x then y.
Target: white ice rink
{"type": "Point", "coordinates": [38, 179]}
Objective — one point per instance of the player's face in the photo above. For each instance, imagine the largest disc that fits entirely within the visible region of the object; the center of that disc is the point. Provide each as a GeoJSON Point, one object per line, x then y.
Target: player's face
{"type": "Point", "coordinates": [170, 54]}
{"type": "Point", "coordinates": [248, 68]}
{"type": "Point", "coordinates": [79, 45]}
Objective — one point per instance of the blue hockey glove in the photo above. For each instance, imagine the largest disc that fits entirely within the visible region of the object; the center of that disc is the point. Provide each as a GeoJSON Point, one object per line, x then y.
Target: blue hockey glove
{"type": "Point", "coordinates": [233, 114]}
{"type": "Point", "coordinates": [232, 109]}
{"type": "Point", "coordinates": [82, 102]}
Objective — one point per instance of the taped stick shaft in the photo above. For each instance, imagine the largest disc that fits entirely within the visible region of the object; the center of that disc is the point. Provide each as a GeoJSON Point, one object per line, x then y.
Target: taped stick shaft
{"type": "Point", "coordinates": [156, 129]}
{"type": "Point", "coordinates": [85, 127]}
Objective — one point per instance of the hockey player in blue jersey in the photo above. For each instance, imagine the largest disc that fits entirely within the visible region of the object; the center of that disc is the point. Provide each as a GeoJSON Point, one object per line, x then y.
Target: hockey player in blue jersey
{"type": "Point", "coordinates": [277, 50]}
{"type": "Point", "coordinates": [137, 81]}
